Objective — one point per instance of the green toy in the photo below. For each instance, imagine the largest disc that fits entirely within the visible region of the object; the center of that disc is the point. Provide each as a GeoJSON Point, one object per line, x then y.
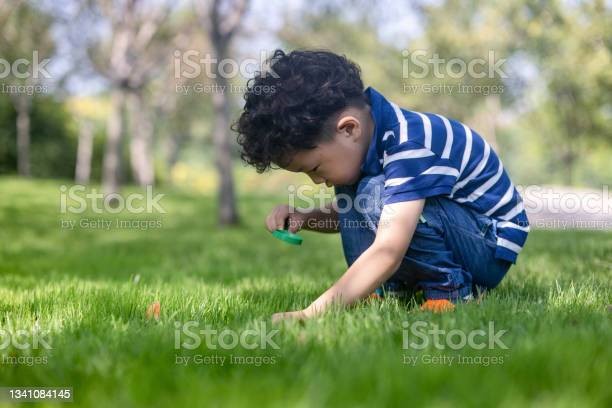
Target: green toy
{"type": "Point", "coordinates": [288, 237]}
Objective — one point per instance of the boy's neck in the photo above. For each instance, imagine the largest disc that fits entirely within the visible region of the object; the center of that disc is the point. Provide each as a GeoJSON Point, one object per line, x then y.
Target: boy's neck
{"type": "Point", "coordinates": [370, 125]}
{"type": "Point", "coordinates": [368, 128]}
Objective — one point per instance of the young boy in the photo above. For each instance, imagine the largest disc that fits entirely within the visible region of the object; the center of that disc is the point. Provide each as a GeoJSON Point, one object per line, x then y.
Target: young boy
{"type": "Point", "coordinates": [446, 218]}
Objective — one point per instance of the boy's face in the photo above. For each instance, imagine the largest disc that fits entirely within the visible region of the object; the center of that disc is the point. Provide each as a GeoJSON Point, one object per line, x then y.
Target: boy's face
{"type": "Point", "coordinates": [337, 161]}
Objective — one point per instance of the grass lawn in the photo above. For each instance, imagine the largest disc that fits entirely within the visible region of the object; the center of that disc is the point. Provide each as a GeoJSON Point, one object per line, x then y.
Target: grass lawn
{"type": "Point", "coordinates": [86, 291]}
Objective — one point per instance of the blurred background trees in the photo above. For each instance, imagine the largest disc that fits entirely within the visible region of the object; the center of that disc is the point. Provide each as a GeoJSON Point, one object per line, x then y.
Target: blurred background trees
{"type": "Point", "coordinates": [25, 56]}
{"type": "Point", "coordinates": [136, 93]}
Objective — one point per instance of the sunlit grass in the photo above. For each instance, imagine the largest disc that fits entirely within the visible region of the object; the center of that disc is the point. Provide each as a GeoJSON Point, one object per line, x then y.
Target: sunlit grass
{"type": "Point", "coordinates": [89, 288]}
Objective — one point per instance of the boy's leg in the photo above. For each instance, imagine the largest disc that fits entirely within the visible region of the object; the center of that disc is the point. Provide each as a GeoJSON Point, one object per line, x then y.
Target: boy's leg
{"type": "Point", "coordinates": [473, 239]}
{"type": "Point", "coordinates": [463, 243]}
{"type": "Point", "coordinates": [450, 251]}
{"type": "Point", "coordinates": [356, 236]}
{"type": "Point", "coordinates": [430, 263]}
{"type": "Point", "coordinates": [358, 232]}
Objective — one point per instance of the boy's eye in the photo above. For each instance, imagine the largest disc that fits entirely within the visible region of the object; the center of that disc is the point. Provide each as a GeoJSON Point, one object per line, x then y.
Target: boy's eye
{"type": "Point", "coordinates": [315, 169]}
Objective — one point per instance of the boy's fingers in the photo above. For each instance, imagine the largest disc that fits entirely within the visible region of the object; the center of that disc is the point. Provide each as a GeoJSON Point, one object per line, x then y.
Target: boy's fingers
{"type": "Point", "coordinates": [279, 220]}
{"type": "Point", "coordinates": [267, 222]}
{"type": "Point", "coordinates": [276, 219]}
{"type": "Point", "coordinates": [270, 222]}
{"type": "Point", "coordinates": [294, 225]}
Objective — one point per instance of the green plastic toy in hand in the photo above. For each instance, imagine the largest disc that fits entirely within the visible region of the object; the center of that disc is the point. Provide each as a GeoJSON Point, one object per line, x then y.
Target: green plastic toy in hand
{"type": "Point", "coordinates": [288, 237]}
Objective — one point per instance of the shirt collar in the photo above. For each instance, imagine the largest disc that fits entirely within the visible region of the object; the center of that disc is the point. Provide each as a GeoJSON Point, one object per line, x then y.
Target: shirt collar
{"type": "Point", "coordinates": [371, 165]}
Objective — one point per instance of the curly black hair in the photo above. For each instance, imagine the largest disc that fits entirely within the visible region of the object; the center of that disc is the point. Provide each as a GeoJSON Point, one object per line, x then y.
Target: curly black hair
{"type": "Point", "coordinates": [287, 106]}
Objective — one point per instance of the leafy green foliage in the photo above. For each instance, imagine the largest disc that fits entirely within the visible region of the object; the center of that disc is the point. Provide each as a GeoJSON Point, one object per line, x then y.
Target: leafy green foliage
{"type": "Point", "coordinates": [53, 138]}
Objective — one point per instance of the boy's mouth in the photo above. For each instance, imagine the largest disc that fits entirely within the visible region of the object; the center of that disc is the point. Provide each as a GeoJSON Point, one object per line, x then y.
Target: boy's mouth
{"type": "Point", "coordinates": [328, 184]}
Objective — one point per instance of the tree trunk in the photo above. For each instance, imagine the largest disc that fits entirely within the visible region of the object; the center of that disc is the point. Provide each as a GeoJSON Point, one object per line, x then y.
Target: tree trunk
{"type": "Point", "coordinates": [112, 153]}
{"type": "Point", "coordinates": [22, 106]}
{"type": "Point", "coordinates": [84, 152]}
{"type": "Point", "coordinates": [223, 26]}
{"type": "Point", "coordinates": [227, 212]}
{"type": "Point", "coordinates": [141, 155]}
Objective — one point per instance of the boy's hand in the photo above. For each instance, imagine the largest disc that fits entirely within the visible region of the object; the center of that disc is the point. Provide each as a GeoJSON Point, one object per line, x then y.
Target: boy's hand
{"type": "Point", "coordinates": [296, 315]}
{"type": "Point", "coordinates": [376, 264]}
{"type": "Point", "coordinates": [283, 215]}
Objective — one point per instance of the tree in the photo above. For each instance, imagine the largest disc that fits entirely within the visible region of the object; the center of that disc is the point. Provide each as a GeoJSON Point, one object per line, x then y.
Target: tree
{"type": "Point", "coordinates": [138, 44]}
{"type": "Point", "coordinates": [223, 19]}
{"type": "Point", "coordinates": [82, 171]}
{"type": "Point", "coordinates": [18, 50]}
{"type": "Point", "coordinates": [571, 44]}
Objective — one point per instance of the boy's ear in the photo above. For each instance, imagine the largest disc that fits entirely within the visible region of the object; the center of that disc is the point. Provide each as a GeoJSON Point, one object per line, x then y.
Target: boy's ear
{"type": "Point", "coordinates": [349, 125]}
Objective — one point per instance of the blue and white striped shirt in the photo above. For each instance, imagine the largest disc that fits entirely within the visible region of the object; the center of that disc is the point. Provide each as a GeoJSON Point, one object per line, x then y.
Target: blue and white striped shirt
{"type": "Point", "coordinates": [424, 155]}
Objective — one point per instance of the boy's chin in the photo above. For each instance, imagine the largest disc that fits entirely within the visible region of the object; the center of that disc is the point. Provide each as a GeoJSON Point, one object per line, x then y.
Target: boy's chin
{"type": "Point", "coordinates": [348, 181]}
{"type": "Point", "coordinates": [355, 178]}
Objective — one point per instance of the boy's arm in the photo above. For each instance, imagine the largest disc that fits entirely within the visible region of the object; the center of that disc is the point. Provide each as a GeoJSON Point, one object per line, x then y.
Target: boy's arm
{"type": "Point", "coordinates": [318, 219]}
{"type": "Point", "coordinates": [397, 224]}
{"type": "Point", "coordinates": [322, 219]}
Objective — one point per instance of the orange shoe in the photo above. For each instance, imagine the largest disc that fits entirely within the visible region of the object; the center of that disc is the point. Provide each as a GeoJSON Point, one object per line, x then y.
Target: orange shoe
{"type": "Point", "coordinates": [438, 306]}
